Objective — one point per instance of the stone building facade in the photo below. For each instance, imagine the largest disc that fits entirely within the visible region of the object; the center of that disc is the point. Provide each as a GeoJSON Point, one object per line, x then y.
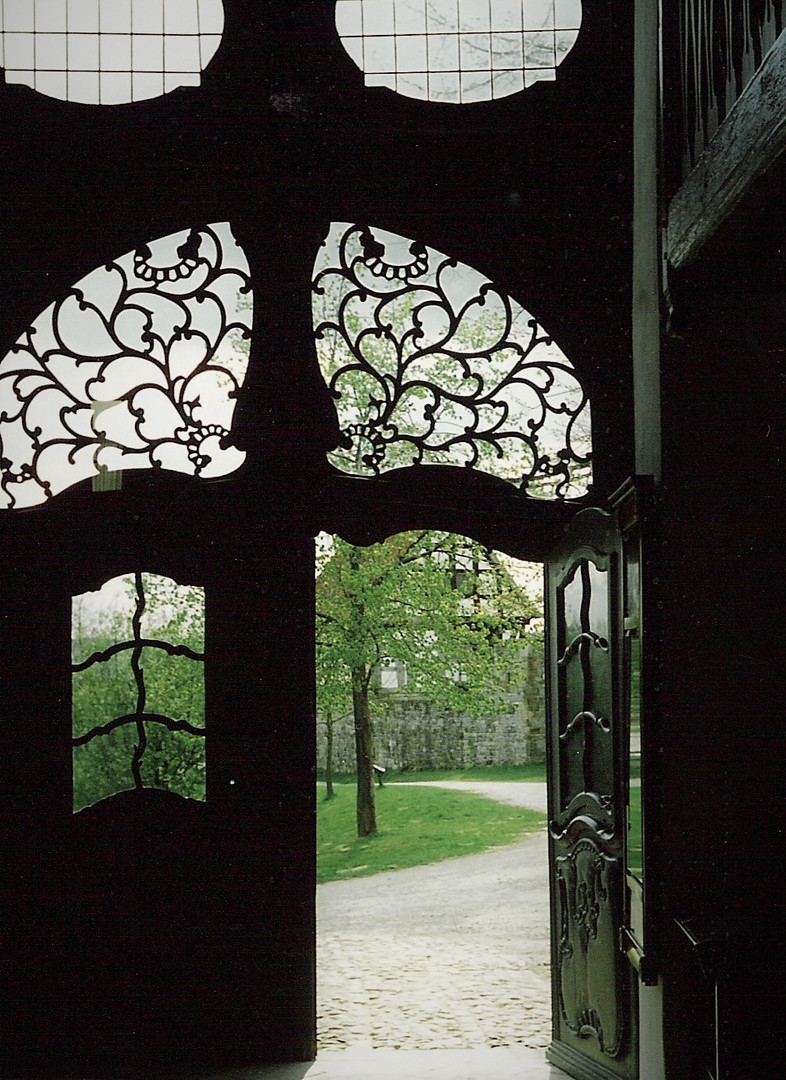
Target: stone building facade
{"type": "Point", "coordinates": [411, 733]}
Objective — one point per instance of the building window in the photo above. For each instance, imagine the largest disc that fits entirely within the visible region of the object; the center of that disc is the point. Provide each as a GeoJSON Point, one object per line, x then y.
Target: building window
{"type": "Point", "coordinates": [138, 689]}
{"type": "Point", "coordinates": [108, 52]}
{"type": "Point", "coordinates": [429, 363]}
{"type": "Point", "coordinates": [458, 51]}
{"type": "Point", "coordinates": [137, 367]}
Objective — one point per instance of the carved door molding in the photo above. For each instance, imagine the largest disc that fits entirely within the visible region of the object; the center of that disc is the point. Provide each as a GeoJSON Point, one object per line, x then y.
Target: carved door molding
{"type": "Point", "coordinates": [595, 1033]}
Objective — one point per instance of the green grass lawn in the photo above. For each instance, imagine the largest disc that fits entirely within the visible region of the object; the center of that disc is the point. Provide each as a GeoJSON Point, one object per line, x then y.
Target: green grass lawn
{"type": "Point", "coordinates": [634, 834]}
{"type": "Point", "coordinates": [531, 773]}
{"type": "Point", "coordinates": [416, 826]}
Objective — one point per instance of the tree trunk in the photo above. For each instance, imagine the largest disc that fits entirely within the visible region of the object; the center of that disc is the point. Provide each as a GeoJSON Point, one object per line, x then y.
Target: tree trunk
{"type": "Point", "coordinates": [366, 807]}
{"type": "Point", "coordinates": [329, 793]}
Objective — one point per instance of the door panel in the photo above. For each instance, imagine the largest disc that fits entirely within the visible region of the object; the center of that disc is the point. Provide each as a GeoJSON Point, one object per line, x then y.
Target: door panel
{"type": "Point", "coordinates": [594, 999]}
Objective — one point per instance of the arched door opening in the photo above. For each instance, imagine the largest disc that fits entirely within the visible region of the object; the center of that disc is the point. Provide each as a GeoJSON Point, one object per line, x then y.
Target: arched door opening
{"type": "Point", "coordinates": [433, 929]}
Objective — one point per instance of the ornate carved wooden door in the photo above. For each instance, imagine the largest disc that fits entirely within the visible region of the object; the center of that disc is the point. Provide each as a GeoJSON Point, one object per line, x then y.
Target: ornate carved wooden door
{"type": "Point", "coordinates": [595, 1034]}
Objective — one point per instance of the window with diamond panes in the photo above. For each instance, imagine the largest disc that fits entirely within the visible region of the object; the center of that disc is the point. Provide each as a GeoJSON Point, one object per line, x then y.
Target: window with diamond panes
{"type": "Point", "coordinates": [458, 51]}
{"type": "Point", "coordinates": [138, 689]}
{"type": "Point", "coordinates": [108, 52]}
{"type": "Point", "coordinates": [428, 363]}
{"type": "Point", "coordinates": [136, 367]}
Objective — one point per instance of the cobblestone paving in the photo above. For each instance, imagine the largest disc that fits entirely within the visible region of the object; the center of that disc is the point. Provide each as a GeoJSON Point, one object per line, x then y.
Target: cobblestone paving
{"type": "Point", "coordinates": [449, 956]}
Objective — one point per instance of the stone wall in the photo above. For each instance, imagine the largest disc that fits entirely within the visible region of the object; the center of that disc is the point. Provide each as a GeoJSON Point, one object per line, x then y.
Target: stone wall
{"type": "Point", "coordinates": [413, 734]}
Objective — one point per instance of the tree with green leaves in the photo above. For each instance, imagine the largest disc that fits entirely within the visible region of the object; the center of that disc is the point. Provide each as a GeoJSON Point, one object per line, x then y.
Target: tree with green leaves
{"type": "Point", "coordinates": [443, 605]}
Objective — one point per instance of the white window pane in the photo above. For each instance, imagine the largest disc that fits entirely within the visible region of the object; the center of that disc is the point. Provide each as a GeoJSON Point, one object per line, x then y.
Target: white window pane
{"type": "Point", "coordinates": [148, 53]}
{"type": "Point", "coordinates": [380, 54]}
{"type": "Point", "coordinates": [533, 75]}
{"type": "Point", "coordinates": [146, 85]}
{"type": "Point", "coordinates": [444, 86]}
{"type": "Point", "coordinates": [443, 52]}
{"type": "Point", "coordinates": [475, 86]}
{"type": "Point", "coordinates": [539, 50]}
{"type": "Point", "coordinates": [115, 16]}
{"type": "Point", "coordinates": [148, 16]}
{"type": "Point", "coordinates": [115, 87]}
{"type": "Point", "coordinates": [565, 40]}
{"type": "Point", "coordinates": [115, 52]}
{"type": "Point", "coordinates": [378, 17]}
{"type": "Point", "coordinates": [52, 83]}
{"type": "Point", "coordinates": [474, 15]}
{"type": "Point", "coordinates": [181, 54]}
{"type": "Point", "coordinates": [388, 79]}
{"type": "Point", "coordinates": [50, 52]}
{"type": "Point", "coordinates": [507, 51]}
{"type": "Point", "coordinates": [19, 52]}
{"type": "Point", "coordinates": [538, 14]}
{"type": "Point", "coordinates": [506, 15]}
{"type": "Point", "coordinates": [475, 52]}
{"type": "Point", "coordinates": [414, 86]}
{"type": "Point", "coordinates": [348, 18]}
{"type": "Point", "coordinates": [174, 80]}
{"type": "Point", "coordinates": [83, 52]}
{"type": "Point", "coordinates": [18, 16]}
{"type": "Point", "coordinates": [208, 47]}
{"type": "Point", "coordinates": [411, 54]}
{"type": "Point", "coordinates": [410, 16]}
{"type": "Point", "coordinates": [50, 16]}
{"type": "Point", "coordinates": [568, 13]}
{"type": "Point", "coordinates": [180, 17]}
{"type": "Point", "coordinates": [442, 16]}
{"type": "Point", "coordinates": [83, 85]}
{"type": "Point", "coordinates": [506, 83]}
{"type": "Point", "coordinates": [211, 17]}
{"type": "Point", "coordinates": [83, 16]}
{"type": "Point", "coordinates": [354, 46]}
{"type": "Point", "coordinates": [20, 78]}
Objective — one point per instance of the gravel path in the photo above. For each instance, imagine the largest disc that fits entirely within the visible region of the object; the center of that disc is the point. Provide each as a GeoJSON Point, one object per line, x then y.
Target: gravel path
{"type": "Point", "coordinates": [452, 955]}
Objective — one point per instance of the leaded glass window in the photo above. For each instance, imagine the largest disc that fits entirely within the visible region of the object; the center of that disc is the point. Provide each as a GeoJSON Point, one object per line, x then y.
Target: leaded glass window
{"type": "Point", "coordinates": [458, 51]}
{"type": "Point", "coordinates": [429, 363]}
{"type": "Point", "coordinates": [108, 52]}
{"type": "Point", "coordinates": [137, 367]}
{"type": "Point", "coordinates": [138, 689]}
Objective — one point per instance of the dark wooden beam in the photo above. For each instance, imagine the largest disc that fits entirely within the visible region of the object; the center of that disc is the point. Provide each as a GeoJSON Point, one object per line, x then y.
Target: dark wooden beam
{"type": "Point", "coordinates": [749, 140]}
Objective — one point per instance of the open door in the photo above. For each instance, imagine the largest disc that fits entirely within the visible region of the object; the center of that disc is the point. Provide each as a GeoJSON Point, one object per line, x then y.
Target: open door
{"type": "Point", "coordinates": [594, 1002]}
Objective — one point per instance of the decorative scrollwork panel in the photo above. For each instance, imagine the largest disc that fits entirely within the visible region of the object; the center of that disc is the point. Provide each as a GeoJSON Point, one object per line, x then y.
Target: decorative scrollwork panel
{"type": "Point", "coordinates": [589, 969]}
{"type": "Point", "coordinates": [429, 363]}
{"type": "Point", "coordinates": [137, 367]}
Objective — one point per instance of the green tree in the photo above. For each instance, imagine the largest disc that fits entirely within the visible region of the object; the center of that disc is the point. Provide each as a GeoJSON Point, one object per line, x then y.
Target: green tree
{"type": "Point", "coordinates": [443, 605]}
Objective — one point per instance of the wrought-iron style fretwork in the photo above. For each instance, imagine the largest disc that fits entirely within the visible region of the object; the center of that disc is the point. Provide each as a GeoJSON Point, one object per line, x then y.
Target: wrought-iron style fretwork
{"type": "Point", "coordinates": [429, 363]}
{"type": "Point", "coordinates": [137, 367]}
{"type": "Point", "coordinates": [141, 717]}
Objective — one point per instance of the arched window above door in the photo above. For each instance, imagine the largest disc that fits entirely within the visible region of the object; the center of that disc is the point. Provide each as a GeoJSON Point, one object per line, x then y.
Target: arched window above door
{"type": "Point", "coordinates": [108, 52]}
{"type": "Point", "coordinates": [429, 363]}
{"type": "Point", "coordinates": [136, 367]}
{"type": "Point", "coordinates": [458, 51]}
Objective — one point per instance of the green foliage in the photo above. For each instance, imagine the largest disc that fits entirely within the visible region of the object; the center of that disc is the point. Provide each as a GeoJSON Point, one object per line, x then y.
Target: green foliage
{"type": "Point", "coordinates": [443, 605]}
{"type": "Point", "coordinates": [418, 826]}
{"type": "Point", "coordinates": [174, 687]}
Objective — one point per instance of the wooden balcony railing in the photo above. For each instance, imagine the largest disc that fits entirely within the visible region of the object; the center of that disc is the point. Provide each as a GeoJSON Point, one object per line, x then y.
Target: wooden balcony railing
{"type": "Point", "coordinates": [723, 43]}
